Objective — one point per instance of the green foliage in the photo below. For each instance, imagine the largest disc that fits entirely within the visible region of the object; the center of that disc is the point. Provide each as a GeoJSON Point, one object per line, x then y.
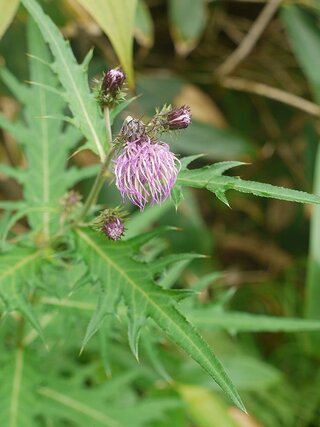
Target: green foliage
{"type": "Point", "coordinates": [69, 281]}
{"type": "Point", "coordinates": [18, 271]}
{"type": "Point", "coordinates": [8, 11]}
{"type": "Point", "coordinates": [187, 20]}
{"type": "Point", "coordinates": [211, 178]}
{"type": "Point", "coordinates": [29, 400]}
{"type": "Point", "coordinates": [120, 276]}
{"type": "Point", "coordinates": [73, 79]}
{"type": "Point", "coordinates": [116, 18]}
{"type": "Point", "coordinates": [305, 38]}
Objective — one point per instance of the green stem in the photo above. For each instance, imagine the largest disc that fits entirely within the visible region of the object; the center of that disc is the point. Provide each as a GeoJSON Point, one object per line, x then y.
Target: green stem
{"type": "Point", "coordinates": [101, 177]}
{"type": "Point", "coordinates": [106, 112]}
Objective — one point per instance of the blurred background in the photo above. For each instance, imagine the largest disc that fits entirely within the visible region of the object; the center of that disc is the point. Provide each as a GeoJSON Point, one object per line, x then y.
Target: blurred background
{"type": "Point", "coordinates": [250, 71]}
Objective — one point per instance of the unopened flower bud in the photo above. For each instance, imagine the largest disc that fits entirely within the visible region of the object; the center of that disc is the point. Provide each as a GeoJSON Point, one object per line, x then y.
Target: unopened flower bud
{"type": "Point", "coordinates": [109, 90]}
{"type": "Point", "coordinates": [112, 81]}
{"type": "Point", "coordinates": [179, 118]}
{"type": "Point", "coordinates": [111, 223]}
{"type": "Point", "coordinates": [71, 201]}
{"type": "Point", "coordinates": [113, 228]}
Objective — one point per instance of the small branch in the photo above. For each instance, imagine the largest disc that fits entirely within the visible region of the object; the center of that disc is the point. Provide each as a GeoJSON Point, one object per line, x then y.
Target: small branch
{"type": "Point", "coordinates": [272, 93]}
{"type": "Point", "coordinates": [249, 41]}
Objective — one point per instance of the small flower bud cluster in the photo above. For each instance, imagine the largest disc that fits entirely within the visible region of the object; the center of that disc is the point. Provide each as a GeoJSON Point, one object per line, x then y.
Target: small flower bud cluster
{"type": "Point", "coordinates": [179, 118]}
{"type": "Point", "coordinates": [71, 201]}
{"type": "Point", "coordinates": [110, 89]}
{"type": "Point", "coordinates": [111, 223]}
{"type": "Point", "coordinates": [169, 119]}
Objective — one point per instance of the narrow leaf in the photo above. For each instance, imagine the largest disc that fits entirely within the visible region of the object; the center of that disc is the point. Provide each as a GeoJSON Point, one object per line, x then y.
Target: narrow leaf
{"type": "Point", "coordinates": [8, 11]}
{"type": "Point", "coordinates": [73, 80]}
{"type": "Point", "coordinates": [116, 18]}
{"type": "Point", "coordinates": [210, 177]}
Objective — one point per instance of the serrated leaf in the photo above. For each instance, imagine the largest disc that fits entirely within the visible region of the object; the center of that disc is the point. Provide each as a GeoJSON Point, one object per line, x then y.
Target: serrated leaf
{"type": "Point", "coordinates": [28, 393]}
{"type": "Point", "coordinates": [44, 183]}
{"type": "Point", "coordinates": [18, 268]}
{"type": "Point", "coordinates": [211, 177]}
{"type": "Point", "coordinates": [74, 81]}
{"type": "Point", "coordinates": [18, 402]}
{"type": "Point", "coordinates": [116, 18]}
{"type": "Point", "coordinates": [145, 299]}
{"type": "Point", "coordinates": [11, 172]}
{"type": "Point", "coordinates": [45, 180]}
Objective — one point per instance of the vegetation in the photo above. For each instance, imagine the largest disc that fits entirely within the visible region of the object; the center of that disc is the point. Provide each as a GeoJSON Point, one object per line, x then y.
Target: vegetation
{"type": "Point", "coordinates": [131, 293]}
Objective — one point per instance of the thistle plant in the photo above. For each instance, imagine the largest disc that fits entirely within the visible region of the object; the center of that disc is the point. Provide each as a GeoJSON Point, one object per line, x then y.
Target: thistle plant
{"type": "Point", "coordinates": [74, 278]}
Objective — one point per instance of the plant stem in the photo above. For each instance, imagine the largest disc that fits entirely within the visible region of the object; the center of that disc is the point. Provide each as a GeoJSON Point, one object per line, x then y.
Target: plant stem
{"type": "Point", "coordinates": [99, 181]}
{"type": "Point", "coordinates": [106, 112]}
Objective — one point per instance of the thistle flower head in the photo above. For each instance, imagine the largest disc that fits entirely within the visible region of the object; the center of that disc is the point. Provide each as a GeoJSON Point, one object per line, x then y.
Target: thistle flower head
{"type": "Point", "coordinates": [179, 118]}
{"type": "Point", "coordinates": [146, 171]}
{"type": "Point", "coordinates": [112, 81]}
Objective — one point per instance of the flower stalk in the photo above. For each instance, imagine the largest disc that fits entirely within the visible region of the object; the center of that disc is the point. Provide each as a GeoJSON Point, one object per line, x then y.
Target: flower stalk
{"type": "Point", "coordinates": [101, 177]}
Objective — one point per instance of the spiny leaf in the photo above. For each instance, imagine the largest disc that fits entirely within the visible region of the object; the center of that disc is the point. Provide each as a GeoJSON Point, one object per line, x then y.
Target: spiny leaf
{"type": "Point", "coordinates": [112, 262]}
{"type": "Point", "coordinates": [211, 177]}
{"type": "Point", "coordinates": [47, 143]}
{"type": "Point", "coordinates": [19, 404]}
{"type": "Point", "coordinates": [18, 269]}
{"type": "Point", "coordinates": [29, 392]}
{"type": "Point", "coordinates": [9, 171]}
{"type": "Point", "coordinates": [74, 81]}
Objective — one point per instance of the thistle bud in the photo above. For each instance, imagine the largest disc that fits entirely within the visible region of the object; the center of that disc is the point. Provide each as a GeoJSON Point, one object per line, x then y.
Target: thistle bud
{"type": "Point", "coordinates": [113, 228]}
{"type": "Point", "coordinates": [71, 201]}
{"type": "Point", "coordinates": [109, 90]}
{"type": "Point", "coordinates": [179, 118]}
{"type": "Point", "coordinates": [111, 223]}
{"type": "Point", "coordinates": [112, 81]}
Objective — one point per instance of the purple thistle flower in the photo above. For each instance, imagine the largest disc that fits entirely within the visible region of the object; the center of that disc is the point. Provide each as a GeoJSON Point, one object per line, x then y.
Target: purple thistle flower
{"type": "Point", "coordinates": [112, 81]}
{"type": "Point", "coordinates": [146, 171]}
{"type": "Point", "coordinates": [113, 228]}
{"type": "Point", "coordinates": [179, 118]}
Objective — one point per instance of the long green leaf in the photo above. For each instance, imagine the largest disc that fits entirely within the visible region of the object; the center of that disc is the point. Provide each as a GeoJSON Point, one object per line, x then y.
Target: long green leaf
{"type": "Point", "coordinates": [116, 18]}
{"type": "Point", "coordinates": [187, 21]}
{"type": "Point", "coordinates": [303, 32]}
{"type": "Point", "coordinates": [8, 11]}
{"type": "Point", "coordinates": [119, 275]}
{"type": "Point", "coordinates": [74, 80]}
{"type": "Point", "coordinates": [211, 318]}
{"type": "Point", "coordinates": [211, 177]}
{"type": "Point", "coordinates": [18, 402]}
